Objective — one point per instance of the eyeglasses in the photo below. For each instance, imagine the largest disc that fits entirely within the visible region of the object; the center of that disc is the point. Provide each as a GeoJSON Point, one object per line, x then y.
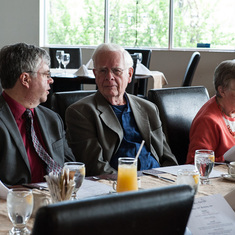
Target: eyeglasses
{"type": "Point", "coordinates": [47, 74]}
{"type": "Point", "coordinates": [114, 71]}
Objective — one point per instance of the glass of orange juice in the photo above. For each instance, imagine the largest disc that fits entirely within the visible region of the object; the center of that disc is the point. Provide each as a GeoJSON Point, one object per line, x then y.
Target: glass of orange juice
{"type": "Point", "coordinates": [127, 174]}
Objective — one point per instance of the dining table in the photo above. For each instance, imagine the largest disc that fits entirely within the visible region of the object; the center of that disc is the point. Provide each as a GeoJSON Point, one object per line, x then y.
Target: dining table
{"type": "Point", "coordinates": [70, 79]}
{"type": "Point", "coordinates": [218, 185]}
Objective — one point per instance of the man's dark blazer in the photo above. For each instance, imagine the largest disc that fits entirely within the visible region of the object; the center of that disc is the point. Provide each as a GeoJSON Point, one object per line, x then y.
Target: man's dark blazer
{"type": "Point", "coordinates": [14, 163]}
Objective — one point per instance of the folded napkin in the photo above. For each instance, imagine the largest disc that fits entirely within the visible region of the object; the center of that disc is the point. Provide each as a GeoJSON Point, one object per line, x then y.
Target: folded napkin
{"type": "Point", "coordinates": [229, 156]}
{"type": "Point", "coordinates": [89, 64]}
{"type": "Point", "coordinates": [141, 69]}
{"type": "Point", "coordinates": [3, 190]}
{"type": "Point", "coordinates": [82, 71]}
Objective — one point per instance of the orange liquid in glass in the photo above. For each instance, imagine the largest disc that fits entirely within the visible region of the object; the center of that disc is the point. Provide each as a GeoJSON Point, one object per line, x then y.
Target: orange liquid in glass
{"type": "Point", "coordinates": [127, 178]}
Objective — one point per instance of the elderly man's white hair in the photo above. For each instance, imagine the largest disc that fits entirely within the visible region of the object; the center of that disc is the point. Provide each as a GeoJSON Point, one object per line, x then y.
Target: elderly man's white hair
{"type": "Point", "coordinates": [112, 47]}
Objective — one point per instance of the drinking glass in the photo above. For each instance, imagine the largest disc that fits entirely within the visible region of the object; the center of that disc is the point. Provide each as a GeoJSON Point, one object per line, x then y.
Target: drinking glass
{"type": "Point", "coordinates": [188, 176]}
{"type": "Point", "coordinates": [76, 171]}
{"type": "Point", "coordinates": [204, 162]}
{"type": "Point", "coordinates": [65, 60]}
{"type": "Point", "coordinates": [59, 55]}
{"type": "Point", "coordinates": [140, 56]}
{"type": "Point", "coordinates": [127, 174]}
{"type": "Point", "coordinates": [20, 207]}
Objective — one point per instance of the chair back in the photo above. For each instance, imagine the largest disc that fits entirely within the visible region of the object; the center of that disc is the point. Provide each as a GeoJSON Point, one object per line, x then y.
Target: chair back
{"type": "Point", "coordinates": [191, 68]}
{"type": "Point", "coordinates": [75, 57]}
{"type": "Point", "coordinates": [157, 211]}
{"type": "Point", "coordinates": [132, 87]}
{"type": "Point", "coordinates": [146, 57]}
{"type": "Point", "coordinates": [60, 101]}
{"type": "Point", "coordinates": [177, 107]}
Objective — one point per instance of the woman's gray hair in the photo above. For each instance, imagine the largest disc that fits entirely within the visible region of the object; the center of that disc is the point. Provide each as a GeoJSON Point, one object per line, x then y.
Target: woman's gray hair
{"type": "Point", "coordinates": [113, 47]}
{"type": "Point", "coordinates": [223, 74]}
{"type": "Point", "coordinates": [18, 58]}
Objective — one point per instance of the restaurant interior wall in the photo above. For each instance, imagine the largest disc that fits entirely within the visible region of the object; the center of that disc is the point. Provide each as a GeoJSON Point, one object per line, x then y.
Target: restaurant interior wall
{"type": "Point", "coordinates": [17, 27]}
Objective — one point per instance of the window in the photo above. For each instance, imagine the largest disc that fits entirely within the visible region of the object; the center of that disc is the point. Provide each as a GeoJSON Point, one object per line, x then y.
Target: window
{"type": "Point", "coordinates": [141, 23]}
{"type": "Point", "coordinates": [204, 21]}
{"type": "Point", "coordinates": [74, 22]}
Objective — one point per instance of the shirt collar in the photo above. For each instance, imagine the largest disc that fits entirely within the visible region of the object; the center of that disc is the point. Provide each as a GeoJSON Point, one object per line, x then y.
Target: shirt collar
{"type": "Point", "coordinates": [17, 109]}
{"type": "Point", "coordinates": [127, 103]}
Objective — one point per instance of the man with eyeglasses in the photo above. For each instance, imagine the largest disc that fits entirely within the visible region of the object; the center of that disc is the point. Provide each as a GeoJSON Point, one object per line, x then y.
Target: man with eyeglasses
{"type": "Point", "coordinates": [111, 123]}
{"type": "Point", "coordinates": [32, 137]}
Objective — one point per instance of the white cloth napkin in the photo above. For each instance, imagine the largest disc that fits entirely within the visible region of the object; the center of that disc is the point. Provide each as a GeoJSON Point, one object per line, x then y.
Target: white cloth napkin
{"type": "Point", "coordinates": [141, 69]}
{"type": "Point", "coordinates": [82, 71]}
{"type": "Point", "coordinates": [89, 64]}
{"type": "Point", "coordinates": [230, 155]}
{"type": "Point", "coordinates": [3, 190]}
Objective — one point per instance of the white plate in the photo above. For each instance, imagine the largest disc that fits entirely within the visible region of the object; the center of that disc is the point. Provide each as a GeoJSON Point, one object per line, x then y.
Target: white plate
{"type": "Point", "coordinates": [228, 177]}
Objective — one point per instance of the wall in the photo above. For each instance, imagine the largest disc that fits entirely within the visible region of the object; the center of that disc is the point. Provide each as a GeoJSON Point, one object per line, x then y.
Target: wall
{"type": "Point", "coordinates": [19, 22]}
{"type": "Point", "coordinates": [174, 63]}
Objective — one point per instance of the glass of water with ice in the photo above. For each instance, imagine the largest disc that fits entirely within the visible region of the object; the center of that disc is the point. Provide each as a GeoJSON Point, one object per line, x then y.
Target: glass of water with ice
{"type": "Point", "coordinates": [189, 177]}
{"type": "Point", "coordinates": [204, 162]}
{"type": "Point", "coordinates": [19, 207]}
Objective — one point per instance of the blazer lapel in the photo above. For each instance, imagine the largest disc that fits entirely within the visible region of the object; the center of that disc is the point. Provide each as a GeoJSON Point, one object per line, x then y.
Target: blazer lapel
{"type": "Point", "coordinates": [141, 119]}
{"type": "Point", "coordinates": [108, 116]}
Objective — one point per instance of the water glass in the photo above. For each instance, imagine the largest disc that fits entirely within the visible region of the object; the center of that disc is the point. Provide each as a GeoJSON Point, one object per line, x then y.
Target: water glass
{"type": "Point", "coordinates": [65, 60]}
{"type": "Point", "coordinates": [204, 162]}
{"type": "Point", "coordinates": [189, 177]}
{"type": "Point", "coordinates": [20, 207]}
{"type": "Point", "coordinates": [59, 56]}
{"type": "Point", "coordinates": [76, 171]}
{"type": "Point", "coordinates": [127, 174]}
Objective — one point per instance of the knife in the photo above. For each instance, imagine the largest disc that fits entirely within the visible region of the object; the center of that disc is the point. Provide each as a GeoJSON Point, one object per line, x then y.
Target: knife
{"type": "Point", "coordinates": [35, 186]}
{"type": "Point", "coordinates": [158, 176]}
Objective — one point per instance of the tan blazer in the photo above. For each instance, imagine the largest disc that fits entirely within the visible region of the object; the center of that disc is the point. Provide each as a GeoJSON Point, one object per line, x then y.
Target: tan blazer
{"type": "Point", "coordinates": [95, 134]}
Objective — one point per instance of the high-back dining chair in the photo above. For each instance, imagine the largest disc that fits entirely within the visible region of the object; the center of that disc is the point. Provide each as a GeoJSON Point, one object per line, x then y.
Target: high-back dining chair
{"type": "Point", "coordinates": [75, 63]}
{"type": "Point", "coordinates": [60, 101]}
{"type": "Point", "coordinates": [146, 57]}
{"type": "Point", "coordinates": [132, 87]}
{"type": "Point", "coordinates": [178, 107]}
{"type": "Point", "coordinates": [156, 211]}
{"type": "Point", "coordinates": [191, 68]}
{"type": "Point", "coordinates": [75, 57]}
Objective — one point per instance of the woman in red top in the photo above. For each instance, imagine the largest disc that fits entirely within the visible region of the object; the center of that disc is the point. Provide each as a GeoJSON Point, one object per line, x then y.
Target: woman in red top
{"type": "Point", "coordinates": [214, 125]}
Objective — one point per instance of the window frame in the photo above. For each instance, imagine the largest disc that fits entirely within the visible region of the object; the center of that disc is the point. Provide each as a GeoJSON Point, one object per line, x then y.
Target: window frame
{"type": "Point", "coordinates": [43, 31]}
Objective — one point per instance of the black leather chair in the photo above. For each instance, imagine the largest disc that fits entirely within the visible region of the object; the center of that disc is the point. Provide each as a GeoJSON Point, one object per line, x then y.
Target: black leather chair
{"type": "Point", "coordinates": [146, 57]}
{"type": "Point", "coordinates": [156, 211]}
{"type": "Point", "coordinates": [178, 107]}
{"type": "Point", "coordinates": [75, 63]}
{"type": "Point", "coordinates": [132, 87]}
{"type": "Point", "coordinates": [75, 57]}
{"type": "Point", "coordinates": [60, 101]}
{"type": "Point", "coordinates": [191, 68]}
